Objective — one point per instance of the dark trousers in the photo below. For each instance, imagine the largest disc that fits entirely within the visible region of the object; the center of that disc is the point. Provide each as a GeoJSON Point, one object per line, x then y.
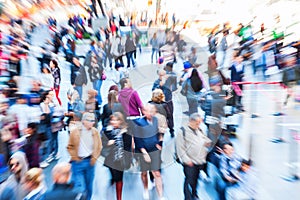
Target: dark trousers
{"type": "Point", "coordinates": [191, 181]}
{"type": "Point", "coordinates": [170, 117]}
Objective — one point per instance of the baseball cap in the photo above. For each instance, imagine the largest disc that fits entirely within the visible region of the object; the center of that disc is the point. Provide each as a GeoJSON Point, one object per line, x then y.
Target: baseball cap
{"type": "Point", "coordinates": [187, 65]}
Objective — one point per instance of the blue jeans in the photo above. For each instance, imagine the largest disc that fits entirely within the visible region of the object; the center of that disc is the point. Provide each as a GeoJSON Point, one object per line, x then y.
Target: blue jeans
{"type": "Point", "coordinates": [154, 50]}
{"type": "Point", "coordinates": [79, 90]}
{"type": "Point", "coordinates": [83, 176]}
{"type": "Point", "coordinates": [129, 56]}
{"type": "Point", "coordinates": [97, 86]}
{"type": "Point", "coordinates": [45, 149]}
{"type": "Point", "coordinates": [54, 143]}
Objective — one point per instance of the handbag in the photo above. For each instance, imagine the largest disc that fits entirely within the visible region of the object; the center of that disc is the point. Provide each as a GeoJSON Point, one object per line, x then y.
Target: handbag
{"type": "Point", "coordinates": [103, 76]}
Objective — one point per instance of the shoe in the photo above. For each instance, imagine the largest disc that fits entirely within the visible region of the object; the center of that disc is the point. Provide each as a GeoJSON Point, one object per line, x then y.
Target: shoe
{"type": "Point", "coordinates": [49, 159]}
{"type": "Point", "coordinates": [204, 177]}
{"type": "Point", "coordinates": [151, 185]}
{"type": "Point", "coordinates": [57, 157]}
{"type": "Point", "coordinates": [146, 194]}
{"type": "Point", "coordinates": [172, 134]}
{"type": "Point", "coordinates": [44, 164]}
{"type": "Point", "coordinates": [186, 112]}
{"type": "Point", "coordinates": [163, 198]}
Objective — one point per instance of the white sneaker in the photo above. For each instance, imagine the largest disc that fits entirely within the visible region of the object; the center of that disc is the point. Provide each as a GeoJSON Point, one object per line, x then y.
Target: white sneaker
{"type": "Point", "coordinates": [146, 194]}
{"type": "Point", "coordinates": [151, 185]}
{"type": "Point", "coordinates": [163, 198]}
{"type": "Point", "coordinates": [57, 157]}
{"type": "Point", "coordinates": [44, 164]}
{"type": "Point", "coordinates": [49, 159]}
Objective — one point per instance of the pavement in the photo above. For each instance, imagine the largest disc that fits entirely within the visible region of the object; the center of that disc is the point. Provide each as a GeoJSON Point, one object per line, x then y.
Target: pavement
{"type": "Point", "coordinates": [272, 160]}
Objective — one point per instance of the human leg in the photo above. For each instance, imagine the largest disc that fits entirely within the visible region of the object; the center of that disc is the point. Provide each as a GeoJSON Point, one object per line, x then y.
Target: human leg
{"type": "Point", "coordinates": [190, 182]}
{"type": "Point", "coordinates": [89, 173]}
{"type": "Point", "coordinates": [158, 183]}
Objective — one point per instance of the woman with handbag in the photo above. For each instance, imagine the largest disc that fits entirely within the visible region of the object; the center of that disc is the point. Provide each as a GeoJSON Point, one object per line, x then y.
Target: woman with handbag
{"type": "Point", "coordinates": [119, 156]}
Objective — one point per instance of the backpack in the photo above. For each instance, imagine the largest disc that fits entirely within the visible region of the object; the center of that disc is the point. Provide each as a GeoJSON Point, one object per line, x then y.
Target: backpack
{"type": "Point", "coordinates": [176, 157]}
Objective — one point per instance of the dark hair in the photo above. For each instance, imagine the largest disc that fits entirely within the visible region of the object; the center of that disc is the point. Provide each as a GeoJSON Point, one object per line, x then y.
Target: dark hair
{"type": "Point", "coordinates": [113, 87]}
{"type": "Point", "coordinates": [55, 63]}
{"type": "Point", "coordinates": [44, 96]}
{"type": "Point", "coordinates": [196, 81]}
{"type": "Point", "coordinates": [32, 125]}
{"type": "Point", "coordinates": [227, 143]}
{"type": "Point", "coordinates": [247, 162]}
{"type": "Point", "coordinates": [123, 81]}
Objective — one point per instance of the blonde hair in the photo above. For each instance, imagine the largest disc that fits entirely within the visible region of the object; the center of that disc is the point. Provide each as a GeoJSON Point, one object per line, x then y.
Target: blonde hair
{"type": "Point", "coordinates": [35, 176]}
{"type": "Point", "coordinates": [120, 117]}
{"type": "Point", "coordinates": [158, 96]}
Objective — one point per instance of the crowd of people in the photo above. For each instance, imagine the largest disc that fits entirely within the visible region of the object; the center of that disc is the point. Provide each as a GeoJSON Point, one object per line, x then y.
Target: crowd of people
{"type": "Point", "coordinates": [130, 129]}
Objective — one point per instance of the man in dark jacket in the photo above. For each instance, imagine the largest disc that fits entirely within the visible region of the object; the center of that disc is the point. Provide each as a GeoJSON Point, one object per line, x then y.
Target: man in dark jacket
{"type": "Point", "coordinates": [61, 173]}
{"type": "Point", "coordinates": [78, 75]}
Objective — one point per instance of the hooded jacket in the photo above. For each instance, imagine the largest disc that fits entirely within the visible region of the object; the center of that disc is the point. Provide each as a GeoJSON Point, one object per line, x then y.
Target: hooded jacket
{"type": "Point", "coordinates": [130, 101]}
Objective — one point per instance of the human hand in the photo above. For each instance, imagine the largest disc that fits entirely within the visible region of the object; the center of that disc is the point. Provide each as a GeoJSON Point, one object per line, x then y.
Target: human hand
{"type": "Point", "coordinates": [147, 157]}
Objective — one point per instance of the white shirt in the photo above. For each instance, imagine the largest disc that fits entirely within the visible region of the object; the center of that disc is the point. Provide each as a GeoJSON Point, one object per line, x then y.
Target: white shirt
{"type": "Point", "coordinates": [86, 143]}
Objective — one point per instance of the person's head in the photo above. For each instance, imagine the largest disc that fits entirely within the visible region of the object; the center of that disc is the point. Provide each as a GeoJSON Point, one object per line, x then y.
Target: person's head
{"type": "Point", "coordinates": [228, 149]}
{"type": "Point", "coordinates": [149, 111]}
{"type": "Point", "coordinates": [31, 128]}
{"type": "Point", "coordinates": [46, 70]}
{"type": "Point", "coordinates": [113, 87]}
{"type": "Point", "coordinates": [246, 164]}
{"type": "Point", "coordinates": [195, 120]}
{"type": "Point", "coordinates": [161, 73]}
{"type": "Point", "coordinates": [21, 99]}
{"type": "Point", "coordinates": [53, 64]}
{"type": "Point", "coordinates": [33, 178]}
{"type": "Point", "coordinates": [158, 96]}
{"type": "Point", "coordinates": [169, 67]}
{"type": "Point", "coordinates": [93, 42]}
{"type": "Point", "coordinates": [61, 173]}
{"type": "Point", "coordinates": [18, 164]}
{"type": "Point", "coordinates": [187, 65]}
{"type": "Point", "coordinates": [117, 120]}
{"type": "Point", "coordinates": [76, 61]}
{"type": "Point", "coordinates": [125, 83]}
{"type": "Point", "coordinates": [193, 50]}
{"type": "Point", "coordinates": [92, 93]}
{"type": "Point", "coordinates": [112, 97]}
{"type": "Point", "coordinates": [88, 120]}
{"type": "Point", "coordinates": [194, 73]}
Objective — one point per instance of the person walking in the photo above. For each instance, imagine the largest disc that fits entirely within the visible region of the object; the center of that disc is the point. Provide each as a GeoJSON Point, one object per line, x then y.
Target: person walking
{"type": "Point", "coordinates": [155, 47]}
{"type": "Point", "coordinates": [129, 50]}
{"type": "Point", "coordinates": [61, 174]}
{"type": "Point", "coordinates": [55, 70]}
{"type": "Point", "coordinates": [119, 156]}
{"type": "Point", "coordinates": [12, 188]}
{"type": "Point", "coordinates": [84, 147]}
{"type": "Point", "coordinates": [78, 76]}
{"type": "Point", "coordinates": [191, 147]}
{"type": "Point", "coordinates": [34, 183]}
{"type": "Point", "coordinates": [95, 73]}
{"type": "Point", "coordinates": [191, 89]}
{"type": "Point", "coordinates": [147, 144]}
{"type": "Point", "coordinates": [167, 83]}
